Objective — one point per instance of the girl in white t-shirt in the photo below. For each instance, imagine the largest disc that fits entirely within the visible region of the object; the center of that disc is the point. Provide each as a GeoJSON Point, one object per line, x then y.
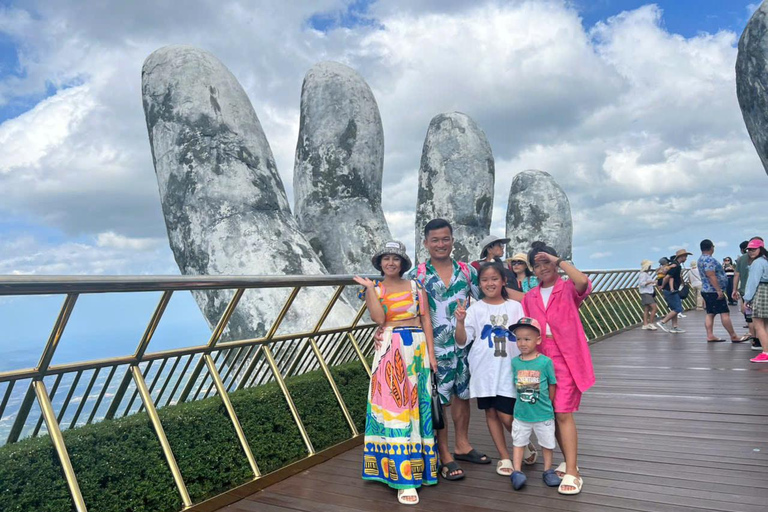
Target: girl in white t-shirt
{"type": "Point", "coordinates": [485, 326]}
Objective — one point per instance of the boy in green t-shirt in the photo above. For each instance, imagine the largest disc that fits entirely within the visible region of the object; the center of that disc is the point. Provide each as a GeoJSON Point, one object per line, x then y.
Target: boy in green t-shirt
{"type": "Point", "coordinates": [534, 376]}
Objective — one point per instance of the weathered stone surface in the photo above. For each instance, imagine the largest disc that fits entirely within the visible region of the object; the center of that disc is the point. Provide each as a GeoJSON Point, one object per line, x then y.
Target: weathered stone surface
{"type": "Point", "coordinates": [752, 80]}
{"type": "Point", "coordinates": [456, 179]}
{"type": "Point", "coordinates": [225, 207]}
{"type": "Point", "coordinates": [338, 170]}
{"type": "Point", "coordinates": [538, 209]}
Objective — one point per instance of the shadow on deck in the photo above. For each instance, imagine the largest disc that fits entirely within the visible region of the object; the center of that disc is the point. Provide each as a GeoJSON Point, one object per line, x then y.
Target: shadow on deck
{"type": "Point", "coordinates": [674, 424]}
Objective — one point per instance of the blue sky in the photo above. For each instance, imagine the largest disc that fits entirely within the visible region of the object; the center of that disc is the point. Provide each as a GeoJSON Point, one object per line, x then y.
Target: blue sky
{"type": "Point", "coordinates": [629, 92]}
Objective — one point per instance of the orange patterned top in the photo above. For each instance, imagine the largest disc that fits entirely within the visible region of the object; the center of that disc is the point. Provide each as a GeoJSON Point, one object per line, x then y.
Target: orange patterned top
{"type": "Point", "coordinates": [399, 305]}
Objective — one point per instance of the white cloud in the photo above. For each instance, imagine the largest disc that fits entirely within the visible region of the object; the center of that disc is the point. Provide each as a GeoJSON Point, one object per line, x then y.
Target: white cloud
{"type": "Point", "coordinates": [114, 241]}
{"type": "Point", "coordinates": [600, 255]}
{"type": "Point", "coordinates": [28, 255]}
{"type": "Point", "coordinates": [640, 126]}
{"type": "Point", "coordinates": [27, 139]}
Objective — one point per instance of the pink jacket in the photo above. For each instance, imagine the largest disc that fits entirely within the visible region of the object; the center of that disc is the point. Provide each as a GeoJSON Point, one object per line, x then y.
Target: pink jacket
{"type": "Point", "coordinates": [562, 315]}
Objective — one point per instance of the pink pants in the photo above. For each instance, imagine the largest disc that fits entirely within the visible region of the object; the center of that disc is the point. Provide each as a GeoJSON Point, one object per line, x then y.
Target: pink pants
{"type": "Point", "coordinates": [567, 396]}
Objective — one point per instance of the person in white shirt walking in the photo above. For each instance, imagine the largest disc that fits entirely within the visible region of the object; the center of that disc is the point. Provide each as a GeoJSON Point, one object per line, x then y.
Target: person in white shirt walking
{"type": "Point", "coordinates": [646, 279]}
{"type": "Point", "coordinates": [694, 278]}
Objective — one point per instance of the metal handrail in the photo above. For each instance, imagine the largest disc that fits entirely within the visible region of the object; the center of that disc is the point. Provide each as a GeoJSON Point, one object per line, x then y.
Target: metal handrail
{"type": "Point", "coordinates": [219, 367]}
{"type": "Point", "coordinates": [47, 285]}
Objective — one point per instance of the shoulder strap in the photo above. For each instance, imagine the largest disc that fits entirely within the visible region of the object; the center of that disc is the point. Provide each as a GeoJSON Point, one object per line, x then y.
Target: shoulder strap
{"type": "Point", "coordinates": [421, 271]}
{"type": "Point", "coordinates": [465, 270]}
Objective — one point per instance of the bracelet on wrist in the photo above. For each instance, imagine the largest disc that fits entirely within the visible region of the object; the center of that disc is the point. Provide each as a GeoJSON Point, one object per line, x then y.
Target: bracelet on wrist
{"type": "Point", "coordinates": [558, 262]}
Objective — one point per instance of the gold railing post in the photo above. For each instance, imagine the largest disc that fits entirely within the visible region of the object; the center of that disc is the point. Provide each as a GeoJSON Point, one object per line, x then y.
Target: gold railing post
{"type": "Point", "coordinates": [335, 388]}
{"type": "Point", "coordinates": [149, 405]}
{"type": "Point", "coordinates": [287, 395]}
{"type": "Point", "coordinates": [42, 366]}
{"type": "Point", "coordinates": [57, 332]}
{"type": "Point", "coordinates": [153, 323]}
{"type": "Point", "coordinates": [271, 334]}
{"type": "Point", "coordinates": [215, 335]}
{"type": "Point", "coordinates": [58, 443]}
{"type": "Point", "coordinates": [359, 352]}
{"type": "Point", "coordinates": [22, 414]}
{"type": "Point", "coordinates": [231, 413]}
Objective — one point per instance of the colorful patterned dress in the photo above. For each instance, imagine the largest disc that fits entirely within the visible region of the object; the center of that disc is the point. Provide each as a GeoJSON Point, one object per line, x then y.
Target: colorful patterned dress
{"type": "Point", "coordinates": [399, 447]}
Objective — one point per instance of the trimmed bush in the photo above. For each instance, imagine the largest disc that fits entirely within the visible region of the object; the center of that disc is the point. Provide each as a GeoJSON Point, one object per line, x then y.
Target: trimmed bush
{"type": "Point", "coordinates": [120, 465]}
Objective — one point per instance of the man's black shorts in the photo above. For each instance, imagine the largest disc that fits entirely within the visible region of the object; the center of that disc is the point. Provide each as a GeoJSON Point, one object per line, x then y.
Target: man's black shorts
{"type": "Point", "coordinates": [505, 404]}
{"type": "Point", "coordinates": [714, 305]}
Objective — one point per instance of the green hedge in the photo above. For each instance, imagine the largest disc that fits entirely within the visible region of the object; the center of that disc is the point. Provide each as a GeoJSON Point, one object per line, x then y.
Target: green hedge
{"type": "Point", "coordinates": [120, 465]}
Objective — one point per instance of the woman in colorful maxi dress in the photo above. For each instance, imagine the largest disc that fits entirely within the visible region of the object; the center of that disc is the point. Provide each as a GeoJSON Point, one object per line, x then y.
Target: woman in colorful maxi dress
{"type": "Point", "coordinates": [399, 447]}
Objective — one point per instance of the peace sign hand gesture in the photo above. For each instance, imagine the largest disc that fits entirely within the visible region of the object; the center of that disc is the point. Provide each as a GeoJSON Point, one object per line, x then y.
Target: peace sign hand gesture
{"type": "Point", "coordinates": [461, 310]}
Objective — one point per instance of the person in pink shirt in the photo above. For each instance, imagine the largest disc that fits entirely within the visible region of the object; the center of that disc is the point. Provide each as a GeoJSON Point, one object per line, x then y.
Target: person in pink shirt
{"type": "Point", "coordinates": [554, 303]}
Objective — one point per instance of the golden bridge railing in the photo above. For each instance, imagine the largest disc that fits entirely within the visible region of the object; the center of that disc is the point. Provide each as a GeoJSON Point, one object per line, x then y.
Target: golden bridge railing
{"type": "Point", "coordinates": [146, 381]}
{"type": "Point", "coordinates": [158, 379]}
{"type": "Point", "coordinates": [614, 304]}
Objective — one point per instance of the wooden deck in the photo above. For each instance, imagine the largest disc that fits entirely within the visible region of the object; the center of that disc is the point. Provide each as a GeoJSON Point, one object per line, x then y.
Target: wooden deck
{"type": "Point", "coordinates": [674, 424]}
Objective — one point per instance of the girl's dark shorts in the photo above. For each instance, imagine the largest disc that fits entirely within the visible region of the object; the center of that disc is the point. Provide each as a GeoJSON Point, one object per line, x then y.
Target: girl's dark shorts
{"type": "Point", "coordinates": [505, 404]}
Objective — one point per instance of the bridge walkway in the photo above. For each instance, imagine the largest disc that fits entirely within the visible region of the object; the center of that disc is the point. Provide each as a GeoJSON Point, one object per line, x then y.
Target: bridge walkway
{"type": "Point", "coordinates": [674, 424]}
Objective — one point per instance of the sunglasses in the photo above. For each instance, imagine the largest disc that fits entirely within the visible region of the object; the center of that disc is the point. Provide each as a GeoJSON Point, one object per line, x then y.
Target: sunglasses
{"type": "Point", "coordinates": [753, 248]}
{"type": "Point", "coordinates": [518, 263]}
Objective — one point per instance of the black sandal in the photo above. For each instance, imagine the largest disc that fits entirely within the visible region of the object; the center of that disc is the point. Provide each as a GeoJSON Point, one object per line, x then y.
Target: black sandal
{"type": "Point", "coordinates": [447, 469]}
{"type": "Point", "coordinates": [473, 456]}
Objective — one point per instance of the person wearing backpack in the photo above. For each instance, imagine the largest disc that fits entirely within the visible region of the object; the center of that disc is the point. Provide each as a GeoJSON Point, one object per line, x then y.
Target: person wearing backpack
{"type": "Point", "coordinates": [447, 283]}
{"type": "Point", "coordinates": [670, 287]}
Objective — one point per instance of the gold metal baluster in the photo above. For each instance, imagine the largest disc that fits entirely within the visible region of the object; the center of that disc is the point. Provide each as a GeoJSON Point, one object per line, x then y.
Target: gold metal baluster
{"type": "Point", "coordinates": [236, 376]}
{"type": "Point", "coordinates": [114, 405]}
{"type": "Point", "coordinates": [58, 444]}
{"type": "Point", "coordinates": [138, 355]}
{"type": "Point", "coordinates": [87, 393]}
{"type": "Point", "coordinates": [158, 373]}
{"type": "Point", "coordinates": [42, 365]}
{"type": "Point", "coordinates": [146, 398]}
{"type": "Point", "coordinates": [215, 335]}
{"type": "Point", "coordinates": [300, 357]}
{"type": "Point", "coordinates": [232, 415]}
{"type": "Point", "coordinates": [181, 377]}
{"type": "Point", "coordinates": [585, 321]}
{"type": "Point", "coordinates": [607, 304]}
{"type": "Point", "coordinates": [280, 382]}
{"type": "Point", "coordinates": [147, 368]}
{"type": "Point", "coordinates": [56, 333]}
{"type": "Point", "coordinates": [22, 415]}
{"type": "Point", "coordinates": [101, 395]}
{"type": "Point", "coordinates": [630, 300]}
{"type": "Point", "coordinates": [359, 353]}
{"type": "Point", "coordinates": [6, 396]}
{"type": "Point", "coordinates": [51, 396]}
{"type": "Point", "coordinates": [168, 379]}
{"type": "Point", "coordinates": [598, 303]}
{"type": "Point", "coordinates": [335, 388]}
{"type": "Point", "coordinates": [70, 394]}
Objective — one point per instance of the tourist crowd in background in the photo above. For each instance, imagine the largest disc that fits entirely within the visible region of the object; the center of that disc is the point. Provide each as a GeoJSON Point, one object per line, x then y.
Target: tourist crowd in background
{"type": "Point", "coordinates": [716, 286]}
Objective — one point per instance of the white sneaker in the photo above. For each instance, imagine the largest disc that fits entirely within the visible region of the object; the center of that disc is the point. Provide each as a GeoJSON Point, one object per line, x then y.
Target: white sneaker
{"type": "Point", "coordinates": [662, 326]}
{"type": "Point", "coordinates": [652, 327]}
{"type": "Point", "coordinates": [645, 327]}
{"type": "Point", "coordinates": [680, 315]}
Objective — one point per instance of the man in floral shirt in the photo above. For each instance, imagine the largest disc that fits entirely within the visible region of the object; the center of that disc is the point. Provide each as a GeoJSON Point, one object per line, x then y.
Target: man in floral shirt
{"type": "Point", "coordinates": [447, 282]}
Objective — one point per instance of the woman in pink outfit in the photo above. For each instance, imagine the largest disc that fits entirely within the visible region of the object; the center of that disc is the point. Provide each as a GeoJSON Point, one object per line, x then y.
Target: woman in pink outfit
{"type": "Point", "coordinates": [554, 303]}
